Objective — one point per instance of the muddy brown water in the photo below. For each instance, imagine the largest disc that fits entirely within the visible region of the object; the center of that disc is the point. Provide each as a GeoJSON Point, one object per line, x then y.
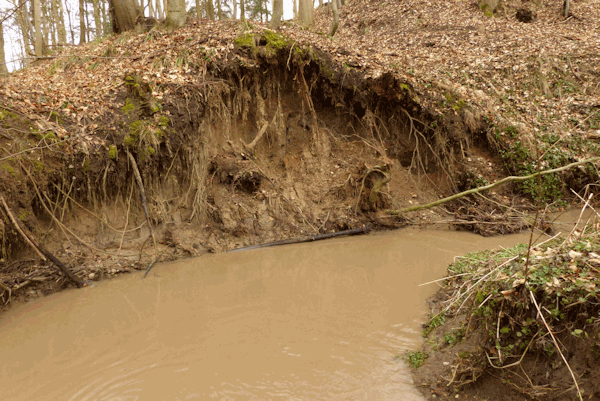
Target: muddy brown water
{"type": "Point", "coordinates": [311, 321]}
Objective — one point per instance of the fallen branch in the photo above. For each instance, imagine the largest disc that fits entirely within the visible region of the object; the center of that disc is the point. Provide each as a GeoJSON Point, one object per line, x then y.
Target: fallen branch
{"type": "Point", "coordinates": [492, 185]}
{"type": "Point", "coordinates": [151, 265]}
{"type": "Point", "coordinates": [44, 253]}
{"type": "Point", "coordinates": [354, 231]}
{"type": "Point", "coordinates": [138, 178]}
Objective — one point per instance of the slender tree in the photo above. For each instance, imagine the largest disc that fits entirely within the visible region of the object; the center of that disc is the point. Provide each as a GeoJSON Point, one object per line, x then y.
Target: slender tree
{"type": "Point", "coordinates": [59, 19]}
{"type": "Point", "coordinates": [210, 9]}
{"type": "Point", "coordinates": [37, 23]}
{"type": "Point", "coordinates": [242, 10]}
{"type": "Point", "coordinates": [97, 21]}
{"type": "Point", "coordinates": [82, 25]}
{"type": "Point", "coordinates": [151, 8]}
{"type": "Point", "coordinates": [277, 14]}
{"type": "Point", "coordinates": [3, 69]}
{"type": "Point", "coordinates": [336, 18]}
{"type": "Point", "coordinates": [159, 10]}
{"type": "Point", "coordinates": [70, 22]}
{"type": "Point", "coordinates": [234, 9]}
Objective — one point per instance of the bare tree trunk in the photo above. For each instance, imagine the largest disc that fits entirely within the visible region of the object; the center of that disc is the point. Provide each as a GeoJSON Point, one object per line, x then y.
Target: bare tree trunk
{"type": "Point", "coordinates": [97, 21]}
{"type": "Point", "coordinates": [37, 11]}
{"type": "Point", "coordinates": [105, 31]}
{"type": "Point", "coordinates": [60, 21]}
{"type": "Point", "coordinates": [306, 10]}
{"type": "Point", "coordinates": [198, 10]}
{"type": "Point", "coordinates": [70, 23]}
{"type": "Point", "coordinates": [151, 8]}
{"type": "Point", "coordinates": [210, 9]}
{"type": "Point", "coordinates": [295, 8]}
{"type": "Point", "coordinates": [159, 10]}
{"type": "Point", "coordinates": [219, 10]}
{"type": "Point", "coordinates": [336, 18]}
{"type": "Point", "coordinates": [87, 22]}
{"type": "Point", "coordinates": [52, 17]}
{"type": "Point", "coordinates": [45, 26]}
{"type": "Point", "coordinates": [277, 14]}
{"type": "Point", "coordinates": [234, 9]}
{"type": "Point", "coordinates": [82, 30]}
{"type": "Point", "coordinates": [175, 14]}
{"type": "Point", "coordinates": [3, 69]}
{"type": "Point", "coordinates": [124, 14]}
{"type": "Point", "coordinates": [242, 10]}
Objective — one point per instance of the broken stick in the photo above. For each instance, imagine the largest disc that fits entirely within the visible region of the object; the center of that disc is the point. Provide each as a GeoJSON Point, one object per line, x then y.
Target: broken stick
{"type": "Point", "coordinates": [354, 231]}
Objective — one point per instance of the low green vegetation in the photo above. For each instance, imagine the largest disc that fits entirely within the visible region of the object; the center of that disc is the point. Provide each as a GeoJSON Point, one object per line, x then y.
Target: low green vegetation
{"type": "Point", "coordinates": [416, 358]}
{"type": "Point", "coordinates": [128, 106]}
{"type": "Point", "coordinates": [520, 299]}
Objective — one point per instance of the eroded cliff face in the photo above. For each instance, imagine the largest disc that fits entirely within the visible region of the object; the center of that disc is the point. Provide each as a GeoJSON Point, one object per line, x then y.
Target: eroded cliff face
{"type": "Point", "coordinates": [238, 140]}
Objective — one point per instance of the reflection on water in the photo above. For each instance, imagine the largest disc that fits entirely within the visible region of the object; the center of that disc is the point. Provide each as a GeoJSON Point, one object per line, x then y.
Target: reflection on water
{"type": "Point", "coordinates": [311, 321]}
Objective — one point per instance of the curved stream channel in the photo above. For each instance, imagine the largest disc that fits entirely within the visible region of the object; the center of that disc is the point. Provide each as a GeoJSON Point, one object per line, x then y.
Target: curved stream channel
{"type": "Point", "coordinates": [310, 321]}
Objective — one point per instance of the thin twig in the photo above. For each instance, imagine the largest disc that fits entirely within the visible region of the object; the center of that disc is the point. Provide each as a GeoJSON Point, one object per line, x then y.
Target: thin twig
{"type": "Point", "coordinates": [556, 345]}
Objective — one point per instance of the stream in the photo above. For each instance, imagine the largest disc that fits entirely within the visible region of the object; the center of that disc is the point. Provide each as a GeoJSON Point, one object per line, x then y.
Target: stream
{"type": "Point", "coordinates": [311, 321]}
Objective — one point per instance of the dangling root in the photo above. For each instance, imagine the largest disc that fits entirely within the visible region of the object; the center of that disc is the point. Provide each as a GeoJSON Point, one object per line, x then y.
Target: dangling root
{"type": "Point", "coordinates": [138, 178]}
{"type": "Point", "coordinates": [376, 188]}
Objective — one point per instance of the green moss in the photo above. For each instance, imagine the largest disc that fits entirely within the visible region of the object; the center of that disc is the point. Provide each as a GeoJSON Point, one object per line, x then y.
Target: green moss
{"type": "Point", "coordinates": [246, 40]}
{"type": "Point", "coordinates": [23, 214]}
{"type": "Point", "coordinates": [298, 51]}
{"type": "Point", "coordinates": [87, 166]}
{"type": "Point", "coordinates": [274, 41]}
{"type": "Point", "coordinates": [112, 152]}
{"type": "Point", "coordinates": [135, 128]}
{"type": "Point", "coordinates": [55, 117]}
{"type": "Point", "coordinates": [159, 134]}
{"type": "Point", "coordinates": [50, 136]}
{"type": "Point", "coordinates": [128, 106]}
{"type": "Point", "coordinates": [163, 121]}
{"type": "Point", "coordinates": [155, 107]}
{"type": "Point", "coordinates": [39, 166]}
{"type": "Point", "coordinates": [129, 141]}
{"type": "Point", "coordinates": [9, 168]}
{"type": "Point", "coordinates": [5, 114]}
{"type": "Point", "coordinates": [150, 150]}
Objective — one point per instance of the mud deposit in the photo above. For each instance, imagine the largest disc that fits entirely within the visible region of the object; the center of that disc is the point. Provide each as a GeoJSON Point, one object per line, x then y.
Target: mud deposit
{"type": "Point", "coordinates": [310, 321]}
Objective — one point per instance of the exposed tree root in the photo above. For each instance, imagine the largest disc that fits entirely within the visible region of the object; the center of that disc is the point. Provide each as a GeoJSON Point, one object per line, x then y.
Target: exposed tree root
{"type": "Point", "coordinates": [138, 178]}
{"type": "Point", "coordinates": [45, 254]}
{"type": "Point", "coordinates": [376, 188]}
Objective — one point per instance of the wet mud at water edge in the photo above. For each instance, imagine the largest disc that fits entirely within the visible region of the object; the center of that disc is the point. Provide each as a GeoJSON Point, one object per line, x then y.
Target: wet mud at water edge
{"type": "Point", "coordinates": [311, 321]}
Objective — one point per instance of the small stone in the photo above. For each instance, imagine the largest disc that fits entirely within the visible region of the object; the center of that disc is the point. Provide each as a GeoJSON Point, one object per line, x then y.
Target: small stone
{"type": "Point", "coordinates": [91, 276]}
{"type": "Point", "coordinates": [446, 363]}
{"type": "Point", "coordinates": [113, 271]}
